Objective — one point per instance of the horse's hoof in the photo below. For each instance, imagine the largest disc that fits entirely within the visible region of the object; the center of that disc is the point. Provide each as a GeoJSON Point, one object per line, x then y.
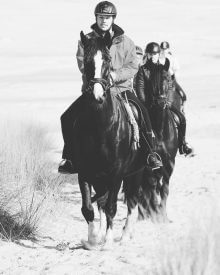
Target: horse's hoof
{"type": "Point", "coordinates": [90, 246]}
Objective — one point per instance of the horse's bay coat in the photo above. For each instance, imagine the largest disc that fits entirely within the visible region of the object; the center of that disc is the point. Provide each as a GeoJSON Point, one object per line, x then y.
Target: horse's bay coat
{"type": "Point", "coordinates": [123, 57]}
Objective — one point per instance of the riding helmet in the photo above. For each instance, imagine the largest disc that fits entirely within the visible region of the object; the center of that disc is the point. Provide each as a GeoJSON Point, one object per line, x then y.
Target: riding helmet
{"type": "Point", "coordinates": [105, 8]}
{"type": "Point", "coordinates": [164, 45]}
{"type": "Point", "coordinates": [152, 48]}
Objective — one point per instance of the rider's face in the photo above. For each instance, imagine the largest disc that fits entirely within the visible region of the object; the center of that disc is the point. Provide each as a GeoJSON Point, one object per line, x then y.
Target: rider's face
{"type": "Point", "coordinates": [154, 57]}
{"type": "Point", "coordinates": [104, 22]}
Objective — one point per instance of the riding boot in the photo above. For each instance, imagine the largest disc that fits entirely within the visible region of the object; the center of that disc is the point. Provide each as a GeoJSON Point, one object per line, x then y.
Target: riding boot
{"type": "Point", "coordinates": [153, 159]}
{"type": "Point", "coordinates": [68, 164]}
{"type": "Point", "coordinates": [184, 147]}
{"type": "Point", "coordinates": [66, 167]}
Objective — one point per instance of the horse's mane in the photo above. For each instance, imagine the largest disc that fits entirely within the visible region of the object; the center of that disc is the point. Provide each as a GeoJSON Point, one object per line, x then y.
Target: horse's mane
{"type": "Point", "coordinates": [161, 83]}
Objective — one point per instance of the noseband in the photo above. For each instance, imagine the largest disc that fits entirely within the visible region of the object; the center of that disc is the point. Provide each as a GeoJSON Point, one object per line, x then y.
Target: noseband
{"type": "Point", "coordinates": [105, 84]}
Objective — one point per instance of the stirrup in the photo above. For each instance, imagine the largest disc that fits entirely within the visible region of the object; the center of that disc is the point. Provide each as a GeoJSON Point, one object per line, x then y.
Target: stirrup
{"type": "Point", "coordinates": [155, 153]}
{"type": "Point", "coordinates": [157, 161]}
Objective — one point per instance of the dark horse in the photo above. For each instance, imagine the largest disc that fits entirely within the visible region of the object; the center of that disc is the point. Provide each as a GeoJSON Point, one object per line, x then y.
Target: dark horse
{"type": "Point", "coordinates": [155, 187]}
{"type": "Point", "coordinates": [104, 142]}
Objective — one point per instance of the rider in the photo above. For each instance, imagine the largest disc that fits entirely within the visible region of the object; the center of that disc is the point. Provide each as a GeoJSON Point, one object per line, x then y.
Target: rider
{"type": "Point", "coordinates": [174, 66]}
{"type": "Point", "coordinates": [144, 74]}
{"type": "Point", "coordinates": [124, 67]}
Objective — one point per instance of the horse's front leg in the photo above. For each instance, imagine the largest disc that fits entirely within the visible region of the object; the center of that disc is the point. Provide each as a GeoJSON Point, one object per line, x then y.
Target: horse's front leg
{"type": "Point", "coordinates": [110, 211]}
{"type": "Point", "coordinates": [102, 225]}
{"type": "Point", "coordinates": [88, 213]}
{"type": "Point", "coordinates": [164, 192]}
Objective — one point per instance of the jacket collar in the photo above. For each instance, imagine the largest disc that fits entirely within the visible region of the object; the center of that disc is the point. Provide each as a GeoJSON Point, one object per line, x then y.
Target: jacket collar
{"type": "Point", "coordinates": [117, 31]}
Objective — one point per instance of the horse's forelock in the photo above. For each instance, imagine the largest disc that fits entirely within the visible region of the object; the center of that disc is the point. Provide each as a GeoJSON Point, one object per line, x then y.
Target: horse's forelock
{"type": "Point", "coordinates": [93, 47]}
{"type": "Point", "coordinates": [90, 52]}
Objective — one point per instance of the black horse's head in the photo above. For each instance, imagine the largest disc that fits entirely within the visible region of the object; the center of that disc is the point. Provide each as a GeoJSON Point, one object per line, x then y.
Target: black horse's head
{"type": "Point", "coordinates": [161, 85]}
{"type": "Point", "coordinates": [96, 64]}
{"type": "Point", "coordinates": [159, 111]}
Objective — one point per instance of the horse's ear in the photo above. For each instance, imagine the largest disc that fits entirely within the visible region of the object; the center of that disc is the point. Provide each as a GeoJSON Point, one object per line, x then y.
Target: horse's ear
{"type": "Point", "coordinates": [84, 39]}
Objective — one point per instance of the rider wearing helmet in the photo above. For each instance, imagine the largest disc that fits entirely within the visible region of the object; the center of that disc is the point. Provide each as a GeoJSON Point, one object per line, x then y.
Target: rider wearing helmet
{"type": "Point", "coordinates": [174, 66]}
{"type": "Point", "coordinates": [123, 68]}
{"type": "Point", "coordinates": [151, 70]}
{"type": "Point", "coordinates": [151, 64]}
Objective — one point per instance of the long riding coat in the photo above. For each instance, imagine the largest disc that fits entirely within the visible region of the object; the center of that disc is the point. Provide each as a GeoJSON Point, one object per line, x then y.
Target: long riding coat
{"type": "Point", "coordinates": [123, 57]}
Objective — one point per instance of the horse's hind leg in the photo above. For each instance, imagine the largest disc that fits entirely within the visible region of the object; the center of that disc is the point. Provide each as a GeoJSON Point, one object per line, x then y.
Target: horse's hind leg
{"type": "Point", "coordinates": [102, 225]}
{"type": "Point", "coordinates": [149, 202]}
{"type": "Point", "coordinates": [164, 192]}
{"type": "Point", "coordinates": [131, 189]}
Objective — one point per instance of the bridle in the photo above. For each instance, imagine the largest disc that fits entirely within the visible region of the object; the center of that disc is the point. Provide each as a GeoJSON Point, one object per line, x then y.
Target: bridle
{"type": "Point", "coordinates": [105, 83]}
{"type": "Point", "coordinates": [105, 80]}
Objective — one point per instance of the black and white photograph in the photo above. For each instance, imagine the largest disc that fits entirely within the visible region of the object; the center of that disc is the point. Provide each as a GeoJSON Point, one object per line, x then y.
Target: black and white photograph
{"type": "Point", "coordinates": [109, 137]}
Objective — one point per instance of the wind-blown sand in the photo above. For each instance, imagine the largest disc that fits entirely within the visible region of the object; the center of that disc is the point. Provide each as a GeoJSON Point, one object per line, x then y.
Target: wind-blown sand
{"type": "Point", "coordinates": [40, 79]}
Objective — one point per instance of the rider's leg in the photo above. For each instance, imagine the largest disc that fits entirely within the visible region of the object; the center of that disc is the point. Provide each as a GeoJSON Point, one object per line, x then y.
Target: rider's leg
{"type": "Point", "coordinates": [184, 148]}
{"type": "Point", "coordinates": [68, 119]}
{"type": "Point", "coordinates": [147, 133]}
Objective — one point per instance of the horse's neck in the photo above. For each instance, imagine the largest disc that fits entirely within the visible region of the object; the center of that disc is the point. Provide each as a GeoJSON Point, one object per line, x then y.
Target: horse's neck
{"type": "Point", "coordinates": [163, 125]}
{"type": "Point", "coordinates": [98, 64]}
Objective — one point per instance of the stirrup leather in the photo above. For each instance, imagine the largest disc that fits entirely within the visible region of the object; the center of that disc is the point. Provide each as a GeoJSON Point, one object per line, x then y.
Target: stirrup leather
{"type": "Point", "coordinates": [134, 125]}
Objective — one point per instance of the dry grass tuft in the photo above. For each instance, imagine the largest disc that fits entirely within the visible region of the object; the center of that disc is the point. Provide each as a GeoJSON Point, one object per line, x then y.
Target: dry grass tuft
{"type": "Point", "coordinates": [27, 181]}
{"type": "Point", "coordinates": [197, 253]}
